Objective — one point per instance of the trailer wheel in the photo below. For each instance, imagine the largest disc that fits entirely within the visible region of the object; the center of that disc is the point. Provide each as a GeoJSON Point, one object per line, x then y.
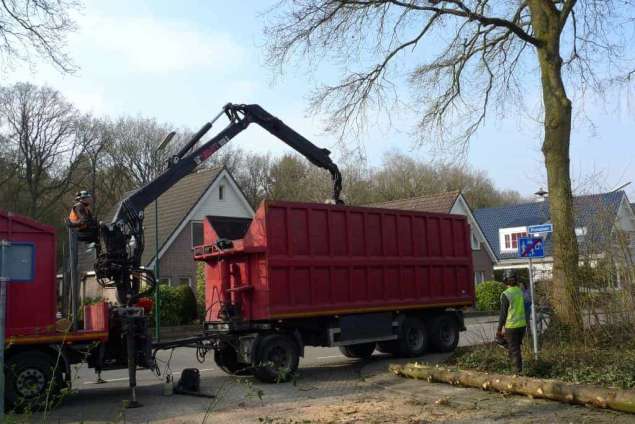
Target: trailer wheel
{"type": "Point", "coordinates": [227, 360]}
{"type": "Point", "coordinates": [277, 359]}
{"type": "Point", "coordinates": [390, 347]}
{"type": "Point", "coordinates": [359, 351]}
{"type": "Point", "coordinates": [32, 382]}
{"type": "Point", "coordinates": [444, 333]}
{"type": "Point", "coordinates": [413, 338]}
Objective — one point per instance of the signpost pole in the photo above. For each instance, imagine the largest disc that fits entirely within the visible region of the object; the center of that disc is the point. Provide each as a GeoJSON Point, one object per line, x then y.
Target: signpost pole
{"type": "Point", "coordinates": [3, 303]}
{"type": "Point", "coordinates": [534, 333]}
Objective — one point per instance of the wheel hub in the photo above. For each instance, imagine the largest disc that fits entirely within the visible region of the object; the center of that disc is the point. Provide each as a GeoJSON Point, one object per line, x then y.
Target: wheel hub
{"type": "Point", "coordinates": [415, 338]}
{"type": "Point", "coordinates": [279, 358]}
{"type": "Point", "coordinates": [445, 333]}
{"type": "Point", "coordinates": [31, 382]}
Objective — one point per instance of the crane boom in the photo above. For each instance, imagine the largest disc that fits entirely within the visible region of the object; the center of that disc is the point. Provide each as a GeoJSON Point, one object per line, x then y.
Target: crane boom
{"type": "Point", "coordinates": [121, 241]}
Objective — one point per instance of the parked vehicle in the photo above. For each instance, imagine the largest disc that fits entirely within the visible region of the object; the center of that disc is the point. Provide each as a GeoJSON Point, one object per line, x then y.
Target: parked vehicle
{"type": "Point", "coordinates": [332, 275]}
{"type": "Point", "coordinates": [40, 349]}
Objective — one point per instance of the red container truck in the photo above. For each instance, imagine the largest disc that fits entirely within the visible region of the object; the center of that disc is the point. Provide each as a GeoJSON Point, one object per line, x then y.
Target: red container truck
{"type": "Point", "coordinates": [332, 275]}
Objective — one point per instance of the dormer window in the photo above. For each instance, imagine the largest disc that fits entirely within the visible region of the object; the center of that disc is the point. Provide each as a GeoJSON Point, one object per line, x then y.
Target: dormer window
{"type": "Point", "coordinates": [509, 237]}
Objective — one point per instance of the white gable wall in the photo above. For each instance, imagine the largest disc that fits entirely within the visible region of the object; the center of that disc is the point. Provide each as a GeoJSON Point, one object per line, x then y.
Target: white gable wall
{"type": "Point", "coordinates": [233, 203]}
{"type": "Point", "coordinates": [460, 207]}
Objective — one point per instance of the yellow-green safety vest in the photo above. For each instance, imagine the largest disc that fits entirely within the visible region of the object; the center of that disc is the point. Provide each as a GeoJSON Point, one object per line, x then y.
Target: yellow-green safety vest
{"type": "Point", "coordinates": [516, 310]}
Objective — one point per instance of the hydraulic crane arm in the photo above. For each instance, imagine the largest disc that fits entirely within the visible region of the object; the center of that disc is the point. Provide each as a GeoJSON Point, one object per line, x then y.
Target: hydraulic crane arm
{"type": "Point", "coordinates": [240, 116]}
{"type": "Point", "coordinates": [122, 240]}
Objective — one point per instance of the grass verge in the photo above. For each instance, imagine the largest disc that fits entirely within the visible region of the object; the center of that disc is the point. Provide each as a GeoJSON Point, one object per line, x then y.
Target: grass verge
{"type": "Point", "coordinates": [608, 361]}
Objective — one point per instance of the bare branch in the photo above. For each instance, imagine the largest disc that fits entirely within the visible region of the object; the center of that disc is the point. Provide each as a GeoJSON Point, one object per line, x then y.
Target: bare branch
{"type": "Point", "coordinates": [40, 26]}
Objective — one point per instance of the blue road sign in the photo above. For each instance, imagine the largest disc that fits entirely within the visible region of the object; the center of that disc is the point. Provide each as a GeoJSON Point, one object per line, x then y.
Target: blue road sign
{"type": "Point", "coordinates": [531, 247]}
{"type": "Point", "coordinates": [543, 228]}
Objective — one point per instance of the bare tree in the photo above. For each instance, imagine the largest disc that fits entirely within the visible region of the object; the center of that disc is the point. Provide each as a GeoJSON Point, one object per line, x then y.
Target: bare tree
{"type": "Point", "coordinates": [36, 26]}
{"type": "Point", "coordinates": [252, 176]}
{"type": "Point", "coordinates": [134, 149]}
{"type": "Point", "coordinates": [468, 55]}
{"type": "Point", "coordinates": [40, 132]}
{"type": "Point", "coordinates": [96, 135]}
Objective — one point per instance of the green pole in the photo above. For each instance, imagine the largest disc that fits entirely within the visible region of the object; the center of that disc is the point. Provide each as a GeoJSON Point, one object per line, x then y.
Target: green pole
{"type": "Point", "coordinates": [157, 300]}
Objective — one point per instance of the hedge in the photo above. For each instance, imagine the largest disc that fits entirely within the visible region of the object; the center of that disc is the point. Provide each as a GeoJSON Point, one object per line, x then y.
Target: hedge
{"type": "Point", "coordinates": [177, 305]}
{"type": "Point", "coordinates": [488, 295]}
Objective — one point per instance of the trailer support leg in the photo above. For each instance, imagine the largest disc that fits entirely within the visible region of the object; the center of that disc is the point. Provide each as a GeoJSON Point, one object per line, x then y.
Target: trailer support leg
{"type": "Point", "coordinates": [100, 364]}
{"type": "Point", "coordinates": [132, 362]}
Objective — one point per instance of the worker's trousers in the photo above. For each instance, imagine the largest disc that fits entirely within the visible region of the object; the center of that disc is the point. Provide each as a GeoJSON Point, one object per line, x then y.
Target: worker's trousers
{"type": "Point", "coordinates": [514, 337]}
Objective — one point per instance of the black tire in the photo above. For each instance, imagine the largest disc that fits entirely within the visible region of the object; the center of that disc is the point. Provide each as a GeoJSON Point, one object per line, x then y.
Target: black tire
{"type": "Point", "coordinates": [358, 351]}
{"type": "Point", "coordinates": [444, 333]}
{"type": "Point", "coordinates": [413, 338]}
{"type": "Point", "coordinates": [391, 347]}
{"type": "Point", "coordinates": [277, 359]}
{"type": "Point", "coordinates": [227, 360]}
{"type": "Point", "coordinates": [32, 381]}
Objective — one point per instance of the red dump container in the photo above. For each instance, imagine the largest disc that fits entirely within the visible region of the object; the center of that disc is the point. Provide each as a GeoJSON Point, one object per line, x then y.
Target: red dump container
{"type": "Point", "coordinates": [303, 259]}
{"type": "Point", "coordinates": [31, 304]}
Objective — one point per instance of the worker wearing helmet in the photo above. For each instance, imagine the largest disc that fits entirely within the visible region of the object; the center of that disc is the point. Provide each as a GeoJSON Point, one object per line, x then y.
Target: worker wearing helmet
{"type": "Point", "coordinates": [81, 216]}
{"type": "Point", "coordinates": [512, 322]}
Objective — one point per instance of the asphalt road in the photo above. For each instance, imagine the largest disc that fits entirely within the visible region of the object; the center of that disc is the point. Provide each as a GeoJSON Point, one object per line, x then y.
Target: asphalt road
{"type": "Point", "coordinates": [324, 373]}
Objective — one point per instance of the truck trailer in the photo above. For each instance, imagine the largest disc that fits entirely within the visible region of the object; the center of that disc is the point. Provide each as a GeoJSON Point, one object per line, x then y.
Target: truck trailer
{"type": "Point", "coordinates": [359, 278]}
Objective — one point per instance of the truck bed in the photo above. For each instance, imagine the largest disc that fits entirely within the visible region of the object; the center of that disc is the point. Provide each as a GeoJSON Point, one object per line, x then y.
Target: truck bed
{"type": "Point", "coordinates": [301, 260]}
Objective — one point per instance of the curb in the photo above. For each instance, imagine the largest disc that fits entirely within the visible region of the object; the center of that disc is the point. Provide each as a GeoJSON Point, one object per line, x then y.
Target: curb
{"type": "Point", "coordinates": [477, 314]}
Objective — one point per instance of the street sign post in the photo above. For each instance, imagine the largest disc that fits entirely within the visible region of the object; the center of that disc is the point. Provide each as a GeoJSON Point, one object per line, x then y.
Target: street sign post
{"type": "Point", "coordinates": [533, 247]}
{"type": "Point", "coordinates": [542, 228]}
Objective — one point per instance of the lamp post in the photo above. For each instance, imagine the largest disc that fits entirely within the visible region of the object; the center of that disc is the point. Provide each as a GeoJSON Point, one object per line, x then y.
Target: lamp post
{"type": "Point", "coordinates": [157, 299]}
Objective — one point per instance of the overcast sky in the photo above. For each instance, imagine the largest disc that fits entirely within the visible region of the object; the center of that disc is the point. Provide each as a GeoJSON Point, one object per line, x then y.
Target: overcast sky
{"type": "Point", "coordinates": [181, 61]}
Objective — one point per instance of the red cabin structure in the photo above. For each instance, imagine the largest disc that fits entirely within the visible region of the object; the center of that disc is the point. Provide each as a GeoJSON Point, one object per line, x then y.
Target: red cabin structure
{"type": "Point", "coordinates": [31, 305]}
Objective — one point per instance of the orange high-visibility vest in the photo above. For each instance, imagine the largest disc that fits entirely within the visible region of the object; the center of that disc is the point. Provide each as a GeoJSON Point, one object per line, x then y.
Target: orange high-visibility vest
{"type": "Point", "coordinates": [73, 217]}
{"type": "Point", "coordinates": [76, 218]}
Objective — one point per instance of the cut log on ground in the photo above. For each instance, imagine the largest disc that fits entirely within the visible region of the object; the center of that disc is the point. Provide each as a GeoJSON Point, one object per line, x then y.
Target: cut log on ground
{"type": "Point", "coordinates": [619, 400]}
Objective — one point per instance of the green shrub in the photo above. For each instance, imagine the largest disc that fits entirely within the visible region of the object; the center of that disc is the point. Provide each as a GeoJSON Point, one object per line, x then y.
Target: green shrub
{"type": "Point", "coordinates": [177, 305]}
{"type": "Point", "coordinates": [488, 295]}
{"type": "Point", "coordinates": [200, 291]}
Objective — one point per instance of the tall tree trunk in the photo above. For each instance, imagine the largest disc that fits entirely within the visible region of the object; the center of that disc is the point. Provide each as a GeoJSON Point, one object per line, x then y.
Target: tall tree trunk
{"type": "Point", "coordinates": [555, 148]}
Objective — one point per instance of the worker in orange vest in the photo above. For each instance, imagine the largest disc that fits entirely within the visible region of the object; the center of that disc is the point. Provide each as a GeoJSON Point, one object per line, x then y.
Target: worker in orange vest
{"type": "Point", "coordinates": [81, 217]}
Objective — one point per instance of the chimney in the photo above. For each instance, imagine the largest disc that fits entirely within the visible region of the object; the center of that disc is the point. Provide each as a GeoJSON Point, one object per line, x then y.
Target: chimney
{"type": "Point", "coordinates": [541, 195]}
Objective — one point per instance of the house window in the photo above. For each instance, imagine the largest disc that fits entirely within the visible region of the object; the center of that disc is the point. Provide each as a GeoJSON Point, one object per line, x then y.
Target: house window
{"type": "Point", "coordinates": [197, 234]}
{"type": "Point", "coordinates": [509, 238]}
{"type": "Point", "coordinates": [165, 281]}
{"type": "Point", "coordinates": [184, 281]}
{"type": "Point", "coordinates": [581, 231]}
{"type": "Point", "coordinates": [476, 244]}
{"type": "Point", "coordinates": [221, 192]}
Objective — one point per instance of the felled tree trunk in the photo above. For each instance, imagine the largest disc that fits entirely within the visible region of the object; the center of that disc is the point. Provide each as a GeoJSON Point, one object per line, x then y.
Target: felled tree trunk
{"type": "Point", "coordinates": [619, 400]}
